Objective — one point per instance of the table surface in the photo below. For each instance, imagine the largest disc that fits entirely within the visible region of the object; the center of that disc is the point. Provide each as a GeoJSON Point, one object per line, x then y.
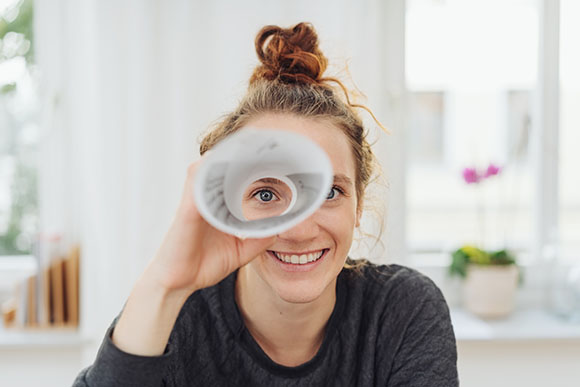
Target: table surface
{"type": "Point", "coordinates": [522, 324]}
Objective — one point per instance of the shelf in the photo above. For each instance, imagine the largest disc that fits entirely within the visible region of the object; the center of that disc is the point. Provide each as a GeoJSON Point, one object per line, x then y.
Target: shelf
{"type": "Point", "coordinates": [62, 338]}
{"type": "Point", "coordinates": [522, 324]}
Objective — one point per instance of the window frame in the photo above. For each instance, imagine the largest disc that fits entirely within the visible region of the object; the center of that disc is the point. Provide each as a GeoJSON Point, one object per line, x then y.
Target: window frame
{"type": "Point", "coordinates": [544, 138]}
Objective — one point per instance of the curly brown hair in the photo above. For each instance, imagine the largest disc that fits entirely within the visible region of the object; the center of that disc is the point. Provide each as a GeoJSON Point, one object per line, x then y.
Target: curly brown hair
{"type": "Point", "coordinates": [289, 80]}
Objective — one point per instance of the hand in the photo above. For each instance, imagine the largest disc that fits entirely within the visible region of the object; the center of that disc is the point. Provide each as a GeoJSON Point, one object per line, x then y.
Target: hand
{"type": "Point", "coordinates": [194, 255]}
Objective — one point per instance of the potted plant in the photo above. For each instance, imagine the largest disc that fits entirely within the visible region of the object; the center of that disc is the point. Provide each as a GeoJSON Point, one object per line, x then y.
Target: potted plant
{"type": "Point", "coordinates": [491, 277]}
{"type": "Point", "coordinates": [491, 280]}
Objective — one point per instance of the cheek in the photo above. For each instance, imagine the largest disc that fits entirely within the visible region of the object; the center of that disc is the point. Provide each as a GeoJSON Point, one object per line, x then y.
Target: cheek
{"type": "Point", "coordinates": [340, 222]}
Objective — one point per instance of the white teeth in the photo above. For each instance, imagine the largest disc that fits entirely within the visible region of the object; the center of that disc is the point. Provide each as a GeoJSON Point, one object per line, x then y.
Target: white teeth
{"type": "Point", "coordinates": [298, 259]}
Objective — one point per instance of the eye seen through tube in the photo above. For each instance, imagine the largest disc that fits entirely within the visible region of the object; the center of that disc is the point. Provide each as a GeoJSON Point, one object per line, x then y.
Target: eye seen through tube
{"type": "Point", "coordinates": [266, 198]}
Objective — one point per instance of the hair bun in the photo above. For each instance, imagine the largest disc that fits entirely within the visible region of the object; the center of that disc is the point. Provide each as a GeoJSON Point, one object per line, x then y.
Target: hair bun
{"type": "Point", "coordinates": [289, 54]}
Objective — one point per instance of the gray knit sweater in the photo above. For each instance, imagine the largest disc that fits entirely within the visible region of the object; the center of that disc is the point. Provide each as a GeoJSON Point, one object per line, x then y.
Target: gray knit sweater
{"type": "Point", "coordinates": [390, 327]}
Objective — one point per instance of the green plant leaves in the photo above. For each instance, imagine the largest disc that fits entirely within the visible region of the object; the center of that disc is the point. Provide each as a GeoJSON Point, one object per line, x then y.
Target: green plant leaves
{"type": "Point", "coordinates": [466, 255]}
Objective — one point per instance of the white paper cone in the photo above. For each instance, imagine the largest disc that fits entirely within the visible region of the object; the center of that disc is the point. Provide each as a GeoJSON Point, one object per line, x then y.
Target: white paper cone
{"type": "Point", "coordinates": [250, 155]}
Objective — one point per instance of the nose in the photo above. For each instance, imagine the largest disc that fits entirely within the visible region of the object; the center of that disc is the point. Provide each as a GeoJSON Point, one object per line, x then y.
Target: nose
{"type": "Point", "coordinates": [304, 231]}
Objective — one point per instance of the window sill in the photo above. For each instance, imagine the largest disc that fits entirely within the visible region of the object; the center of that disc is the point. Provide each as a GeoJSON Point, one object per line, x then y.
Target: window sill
{"type": "Point", "coordinates": [522, 324]}
{"type": "Point", "coordinates": [532, 324]}
{"type": "Point", "coordinates": [61, 338]}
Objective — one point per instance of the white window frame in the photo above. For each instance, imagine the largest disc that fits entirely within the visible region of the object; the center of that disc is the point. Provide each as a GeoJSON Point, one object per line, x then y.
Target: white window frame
{"type": "Point", "coordinates": [546, 128]}
{"type": "Point", "coordinates": [544, 154]}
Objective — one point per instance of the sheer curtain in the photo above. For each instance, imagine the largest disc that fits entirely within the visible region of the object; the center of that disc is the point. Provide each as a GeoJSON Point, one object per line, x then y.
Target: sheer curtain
{"type": "Point", "coordinates": [129, 86]}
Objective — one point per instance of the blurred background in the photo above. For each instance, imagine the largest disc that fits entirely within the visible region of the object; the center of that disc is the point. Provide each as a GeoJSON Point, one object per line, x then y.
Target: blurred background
{"type": "Point", "coordinates": [102, 104]}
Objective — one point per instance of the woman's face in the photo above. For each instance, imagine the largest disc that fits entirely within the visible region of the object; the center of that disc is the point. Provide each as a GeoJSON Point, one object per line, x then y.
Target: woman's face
{"type": "Point", "coordinates": [324, 239]}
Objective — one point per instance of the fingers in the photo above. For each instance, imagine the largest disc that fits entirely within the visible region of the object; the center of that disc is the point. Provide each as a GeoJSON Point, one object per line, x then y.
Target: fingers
{"type": "Point", "coordinates": [191, 172]}
{"type": "Point", "coordinates": [187, 204]}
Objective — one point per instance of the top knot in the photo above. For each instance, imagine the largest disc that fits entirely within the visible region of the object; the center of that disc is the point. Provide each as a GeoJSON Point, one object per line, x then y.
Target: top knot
{"type": "Point", "coordinates": [290, 55]}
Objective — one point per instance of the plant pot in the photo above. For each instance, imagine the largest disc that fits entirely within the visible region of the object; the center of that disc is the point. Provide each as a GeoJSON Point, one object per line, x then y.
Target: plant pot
{"type": "Point", "coordinates": [489, 291]}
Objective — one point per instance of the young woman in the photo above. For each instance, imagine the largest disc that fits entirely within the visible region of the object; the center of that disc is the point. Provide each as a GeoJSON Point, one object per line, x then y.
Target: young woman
{"type": "Point", "coordinates": [214, 310]}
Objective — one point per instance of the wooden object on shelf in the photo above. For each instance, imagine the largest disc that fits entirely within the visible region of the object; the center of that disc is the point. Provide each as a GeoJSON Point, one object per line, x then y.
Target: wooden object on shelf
{"type": "Point", "coordinates": [31, 305]}
{"type": "Point", "coordinates": [71, 265]}
{"type": "Point", "coordinates": [45, 310]}
{"type": "Point", "coordinates": [57, 292]}
{"type": "Point", "coordinates": [49, 299]}
{"type": "Point", "coordinates": [9, 312]}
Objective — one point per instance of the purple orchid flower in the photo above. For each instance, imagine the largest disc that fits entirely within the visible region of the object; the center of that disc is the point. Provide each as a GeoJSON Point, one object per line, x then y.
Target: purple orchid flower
{"type": "Point", "coordinates": [471, 176]}
{"type": "Point", "coordinates": [492, 170]}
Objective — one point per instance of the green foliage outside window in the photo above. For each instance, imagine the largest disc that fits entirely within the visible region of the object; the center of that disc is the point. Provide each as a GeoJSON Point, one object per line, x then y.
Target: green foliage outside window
{"type": "Point", "coordinates": [19, 224]}
{"type": "Point", "coordinates": [16, 26]}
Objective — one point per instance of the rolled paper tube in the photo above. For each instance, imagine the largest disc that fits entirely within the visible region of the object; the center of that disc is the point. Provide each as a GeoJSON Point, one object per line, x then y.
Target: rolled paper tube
{"type": "Point", "coordinates": [250, 155]}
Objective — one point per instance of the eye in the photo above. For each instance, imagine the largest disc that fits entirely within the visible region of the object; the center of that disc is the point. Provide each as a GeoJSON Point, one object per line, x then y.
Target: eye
{"type": "Point", "coordinates": [334, 192]}
{"type": "Point", "coordinates": [265, 195]}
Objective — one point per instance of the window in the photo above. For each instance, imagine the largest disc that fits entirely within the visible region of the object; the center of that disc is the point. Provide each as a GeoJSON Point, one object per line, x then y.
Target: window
{"type": "Point", "coordinates": [569, 156]}
{"type": "Point", "coordinates": [471, 68]}
{"type": "Point", "coordinates": [518, 124]}
{"type": "Point", "coordinates": [18, 129]}
{"type": "Point", "coordinates": [425, 134]}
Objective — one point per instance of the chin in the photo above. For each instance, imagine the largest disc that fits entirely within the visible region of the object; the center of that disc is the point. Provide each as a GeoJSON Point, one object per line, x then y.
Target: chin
{"type": "Point", "coordinates": [301, 293]}
{"type": "Point", "coordinates": [299, 297]}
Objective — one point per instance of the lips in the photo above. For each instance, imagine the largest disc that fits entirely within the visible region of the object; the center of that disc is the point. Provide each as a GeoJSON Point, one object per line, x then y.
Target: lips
{"type": "Point", "coordinates": [298, 258]}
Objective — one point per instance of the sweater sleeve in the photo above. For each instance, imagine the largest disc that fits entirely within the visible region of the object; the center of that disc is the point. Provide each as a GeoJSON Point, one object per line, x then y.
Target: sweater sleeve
{"type": "Point", "coordinates": [427, 353]}
{"type": "Point", "coordinates": [113, 367]}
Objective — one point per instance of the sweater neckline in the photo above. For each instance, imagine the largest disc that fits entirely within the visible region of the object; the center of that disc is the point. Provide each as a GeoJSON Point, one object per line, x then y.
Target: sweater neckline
{"type": "Point", "coordinates": [246, 340]}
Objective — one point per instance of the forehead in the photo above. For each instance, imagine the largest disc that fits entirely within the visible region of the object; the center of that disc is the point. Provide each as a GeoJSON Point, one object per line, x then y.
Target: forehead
{"type": "Point", "coordinates": [327, 135]}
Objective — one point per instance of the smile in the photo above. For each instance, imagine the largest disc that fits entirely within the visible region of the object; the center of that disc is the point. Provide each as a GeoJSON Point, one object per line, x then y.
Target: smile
{"type": "Point", "coordinates": [299, 259]}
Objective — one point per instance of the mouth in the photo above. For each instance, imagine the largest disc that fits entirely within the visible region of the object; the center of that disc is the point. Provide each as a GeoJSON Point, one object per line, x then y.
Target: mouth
{"type": "Point", "coordinates": [298, 258]}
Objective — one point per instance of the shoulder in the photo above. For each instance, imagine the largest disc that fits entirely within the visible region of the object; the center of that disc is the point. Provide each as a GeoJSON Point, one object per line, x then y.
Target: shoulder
{"type": "Point", "coordinates": [392, 294]}
{"type": "Point", "coordinates": [395, 280]}
{"type": "Point", "coordinates": [409, 317]}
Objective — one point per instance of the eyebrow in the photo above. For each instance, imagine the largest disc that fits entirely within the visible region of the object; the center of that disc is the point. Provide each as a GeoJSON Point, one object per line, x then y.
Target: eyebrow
{"type": "Point", "coordinates": [269, 180]}
{"type": "Point", "coordinates": [340, 178]}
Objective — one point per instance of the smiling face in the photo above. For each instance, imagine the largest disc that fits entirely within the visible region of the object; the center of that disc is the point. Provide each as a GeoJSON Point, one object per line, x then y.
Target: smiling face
{"type": "Point", "coordinates": [305, 261]}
